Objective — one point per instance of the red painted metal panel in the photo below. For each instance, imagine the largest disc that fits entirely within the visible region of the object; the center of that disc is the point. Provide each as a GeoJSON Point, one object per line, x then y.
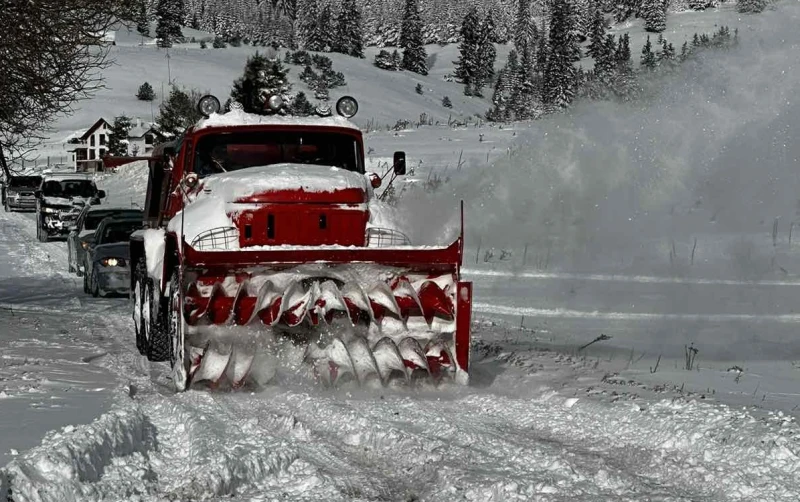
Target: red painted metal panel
{"type": "Point", "coordinates": [344, 196]}
{"type": "Point", "coordinates": [302, 225]}
{"type": "Point", "coordinates": [433, 259]}
{"type": "Point", "coordinates": [463, 324]}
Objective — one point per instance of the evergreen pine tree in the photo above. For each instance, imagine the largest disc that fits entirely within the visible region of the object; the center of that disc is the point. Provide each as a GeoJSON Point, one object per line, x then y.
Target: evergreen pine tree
{"type": "Point", "coordinates": [262, 78]}
{"type": "Point", "coordinates": [169, 14]}
{"type": "Point", "coordinates": [468, 64]}
{"type": "Point", "coordinates": [309, 27]}
{"type": "Point", "coordinates": [178, 112]}
{"type": "Point", "coordinates": [301, 106]}
{"type": "Point", "coordinates": [325, 28]}
{"type": "Point", "coordinates": [525, 32]}
{"type": "Point", "coordinates": [385, 61]}
{"type": "Point", "coordinates": [684, 52]}
{"type": "Point", "coordinates": [118, 136]}
{"type": "Point", "coordinates": [605, 62]}
{"type": "Point", "coordinates": [348, 39]}
{"type": "Point", "coordinates": [487, 54]}
{"type": "Point", "coordinates": [648, 58]}
{"type": "Point", "coordinates": [750, 6]}
{"type": "Point", "coordinates": [142, 23]}
{"type": "Point", "coordinates": [525, 89]}
{"type": "Point", "coordinates": [654, 13]}
{"type": "Point", "coordinates": [625, 80]}
{"type": "Point", "coordinates": [506, 90]}
{"type": "Point", "coordinates": [560, 76]}
{"type": "Point", "coordinates": [597, 34]}
{"type": "Point", "coordinates": [414, 55]}
{"type": "Point", "coordinates": [145, 92]}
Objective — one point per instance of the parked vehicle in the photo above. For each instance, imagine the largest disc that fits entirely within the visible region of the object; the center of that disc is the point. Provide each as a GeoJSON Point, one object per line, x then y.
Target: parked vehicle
{"type": "Point", "coordinates": [106, 267]}
{"type": "Point", "coordinates": [19, 193]}
{"type": "Point", "coordinates": [59, 200]}
{"type": "Point", "coordinates": [81, 235]}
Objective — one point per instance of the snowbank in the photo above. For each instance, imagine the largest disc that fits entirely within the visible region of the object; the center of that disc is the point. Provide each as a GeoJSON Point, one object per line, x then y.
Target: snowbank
{"type": "Point", "coordinates": [68, 462]}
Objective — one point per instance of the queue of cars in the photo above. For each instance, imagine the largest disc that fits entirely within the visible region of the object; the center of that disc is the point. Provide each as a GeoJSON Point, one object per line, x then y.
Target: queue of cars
{"type": "Point", "coordinates": [68, 205]}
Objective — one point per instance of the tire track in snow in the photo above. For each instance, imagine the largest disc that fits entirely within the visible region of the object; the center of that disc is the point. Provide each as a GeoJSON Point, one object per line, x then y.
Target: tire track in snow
{"type": "Point", "coordinates": [489, 308]}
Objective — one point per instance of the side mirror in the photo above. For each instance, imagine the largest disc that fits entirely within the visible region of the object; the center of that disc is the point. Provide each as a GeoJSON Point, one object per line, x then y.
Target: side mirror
{"type": "Point", "coordinates": [37, 194]}
{"type": "Point", "coordinates": [101, 194]}
{"type": "Point", "coordinates": [399, 163]}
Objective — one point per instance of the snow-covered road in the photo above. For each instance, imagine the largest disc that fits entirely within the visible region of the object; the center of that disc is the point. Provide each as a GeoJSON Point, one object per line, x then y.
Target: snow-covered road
{"type": "Point", "coordinates": [535, 425]}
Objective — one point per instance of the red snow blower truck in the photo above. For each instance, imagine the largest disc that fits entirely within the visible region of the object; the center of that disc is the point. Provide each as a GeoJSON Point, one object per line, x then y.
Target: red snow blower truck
{"type": "Point", "coordinates": [265, 245]}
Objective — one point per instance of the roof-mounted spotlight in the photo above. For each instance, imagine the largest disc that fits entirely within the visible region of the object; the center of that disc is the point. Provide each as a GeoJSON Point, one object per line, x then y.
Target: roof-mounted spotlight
{"type": "Point", "coordinates": [275, 102]}
{"type": "Point", "coordinates": [347, 107]}
{"type": "Point", "coordinates": [207, 105]}
{"type": "Point", "coordinates": [323, 111]}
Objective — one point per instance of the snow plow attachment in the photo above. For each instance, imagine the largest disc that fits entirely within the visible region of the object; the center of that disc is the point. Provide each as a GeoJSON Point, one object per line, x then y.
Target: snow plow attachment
{"type": "Point", "coordinates": [374, 316]}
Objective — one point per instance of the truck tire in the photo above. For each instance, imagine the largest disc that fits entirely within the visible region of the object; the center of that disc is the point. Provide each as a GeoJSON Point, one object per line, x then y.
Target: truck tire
{"type": "Point", "coordinates": [95, 284]}
{"type": "Point", "coordinates": [158, 342]}
{"type": "Point", "coordinates": [137, 294]}
{"type": "Point", "coordinates": [41, 232]}
{"type": "Point", "coordinates": [177, 353]}
{"type": "Point", "coordinates": [85, 281]}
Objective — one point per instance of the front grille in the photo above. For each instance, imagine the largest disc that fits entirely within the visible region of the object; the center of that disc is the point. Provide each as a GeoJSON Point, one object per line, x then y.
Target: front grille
{"type": "Point", "coordinates": [217, 239]}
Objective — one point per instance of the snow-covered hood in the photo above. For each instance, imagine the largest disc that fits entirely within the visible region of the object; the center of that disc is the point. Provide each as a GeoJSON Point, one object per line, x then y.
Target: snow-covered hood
{"type": "Point", "coordinates": [218, 199]}
{"type": "Point", "coordinates": [67, 201]}
{"type": "Point", "coordinates": [243, 185]}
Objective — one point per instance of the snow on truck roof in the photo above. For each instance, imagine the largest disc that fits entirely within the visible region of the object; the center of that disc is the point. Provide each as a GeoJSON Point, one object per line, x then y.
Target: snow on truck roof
{"type": "Point", "coordinates": [240, 118]}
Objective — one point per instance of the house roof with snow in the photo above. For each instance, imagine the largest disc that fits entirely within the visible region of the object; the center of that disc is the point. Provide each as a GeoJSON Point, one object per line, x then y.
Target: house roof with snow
{"type": "Point", "coordinates": [94, 127]}
{"type": "Point", "coordinates": [139, 129]}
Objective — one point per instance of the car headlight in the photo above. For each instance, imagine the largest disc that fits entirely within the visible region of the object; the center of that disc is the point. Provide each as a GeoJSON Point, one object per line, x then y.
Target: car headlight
{"type": "Point", "coordinates": [84, 245]}
{"type": "Point", "coordinates": [113, 262]}
{"type": "Point", "coordinates": [49, 210]}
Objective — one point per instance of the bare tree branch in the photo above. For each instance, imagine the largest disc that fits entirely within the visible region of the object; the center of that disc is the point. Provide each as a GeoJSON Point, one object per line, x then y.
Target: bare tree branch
{"type": "Point", "coordinates": [53, 53]}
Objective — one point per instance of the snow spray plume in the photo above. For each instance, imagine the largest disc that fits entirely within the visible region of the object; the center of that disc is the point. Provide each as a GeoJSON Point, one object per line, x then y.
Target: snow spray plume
{"type": "Point", "coordinates": [710, 150]}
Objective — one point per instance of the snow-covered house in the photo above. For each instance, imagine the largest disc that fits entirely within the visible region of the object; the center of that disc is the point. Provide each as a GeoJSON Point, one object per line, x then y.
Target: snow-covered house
{"type": "Point", "coordinates": [141, 138]}
{"type": "Point", "coordinates": [88, 149]}
{"type": "Point", "coordinates": [91, 147]}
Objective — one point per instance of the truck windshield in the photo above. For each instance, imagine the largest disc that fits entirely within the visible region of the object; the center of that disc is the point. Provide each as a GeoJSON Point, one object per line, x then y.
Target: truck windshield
{"type": "Point", "coordinates": [25, 181]}
{"type": "Point", "coordinates": [231, 152]}
{"type": "Point", "coordinates": [69, 188]}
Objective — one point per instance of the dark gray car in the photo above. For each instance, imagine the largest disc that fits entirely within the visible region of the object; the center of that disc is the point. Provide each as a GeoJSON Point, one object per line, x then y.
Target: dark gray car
{"type": "Point", "coordinates": [81, 235]}
{"type": "Point", "coordinates": [106, 264]}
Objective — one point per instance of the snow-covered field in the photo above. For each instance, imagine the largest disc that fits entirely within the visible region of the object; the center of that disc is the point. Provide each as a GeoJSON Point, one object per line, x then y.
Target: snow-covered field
{"type": "Point", "coordinates": [578, 227]}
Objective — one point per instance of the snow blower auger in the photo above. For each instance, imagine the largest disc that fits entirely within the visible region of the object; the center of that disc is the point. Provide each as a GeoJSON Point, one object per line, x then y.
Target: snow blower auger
{"type": "Point", "coordinates": [266, 245]}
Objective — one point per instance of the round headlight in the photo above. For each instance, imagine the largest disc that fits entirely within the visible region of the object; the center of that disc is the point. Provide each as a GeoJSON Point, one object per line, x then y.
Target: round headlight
{"type": "Point", "coordinates": [207, 105]}
{"type": "Point", "coordinates": [275, 102]}
{"type": "Point", "coordinates": [111, 262]}
{"type": "Point", "coordinates": [347, 107]}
